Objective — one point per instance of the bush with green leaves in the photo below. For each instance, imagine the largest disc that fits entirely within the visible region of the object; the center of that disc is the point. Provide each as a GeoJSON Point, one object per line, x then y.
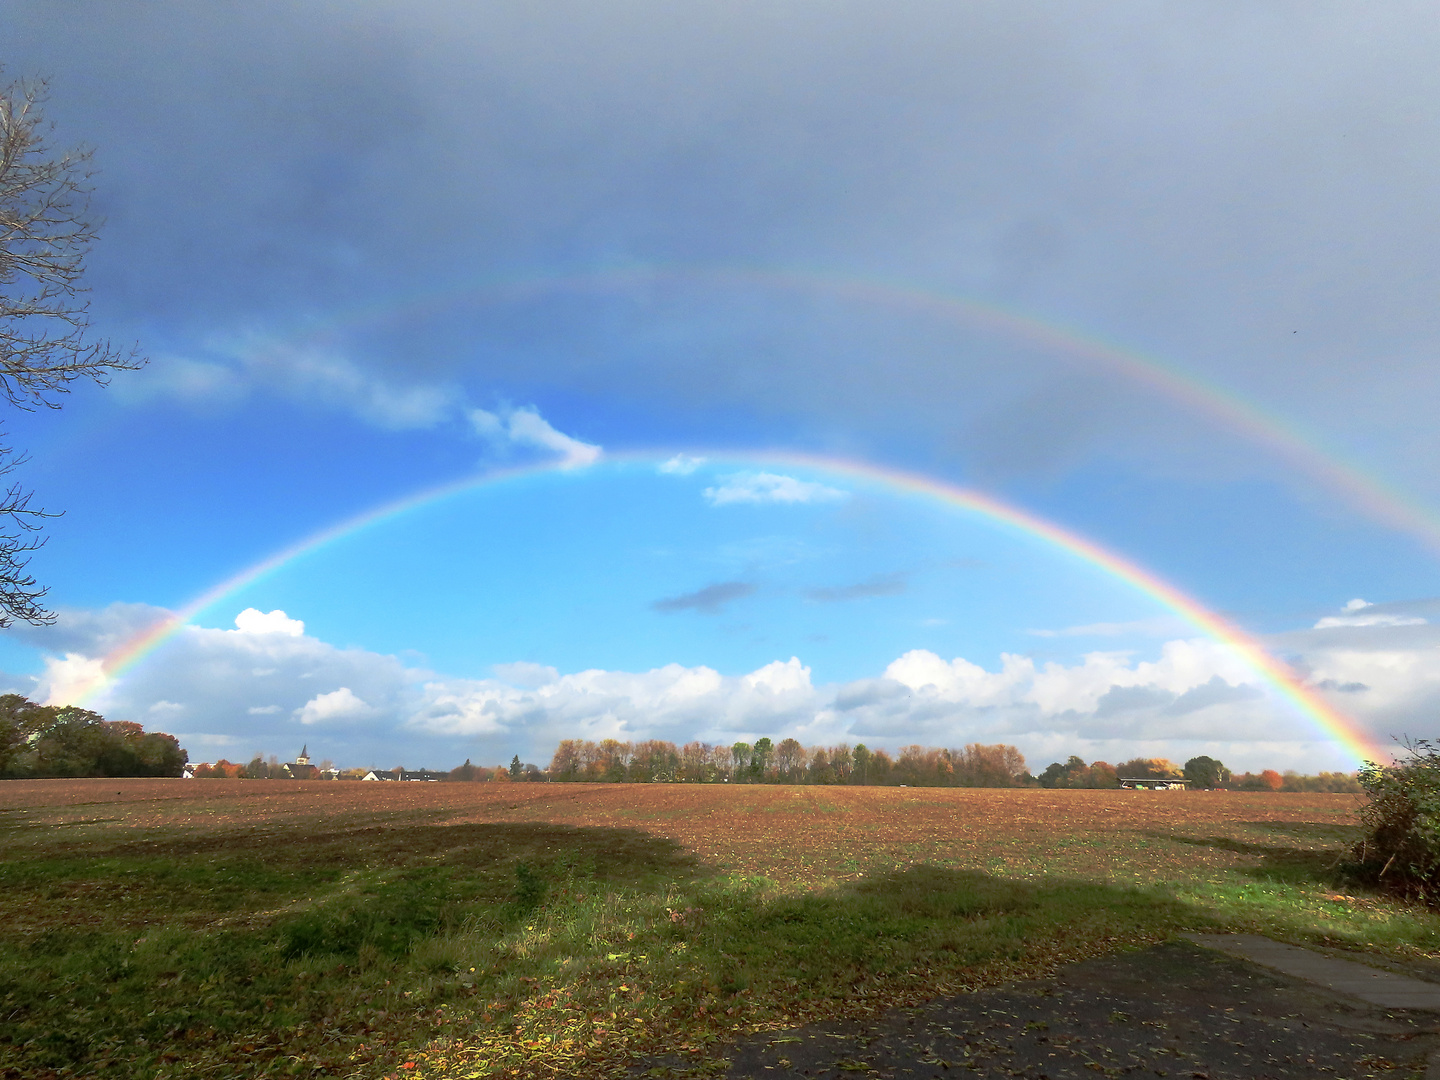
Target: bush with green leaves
{"type": "Point", "coordinates": [1401, 848]}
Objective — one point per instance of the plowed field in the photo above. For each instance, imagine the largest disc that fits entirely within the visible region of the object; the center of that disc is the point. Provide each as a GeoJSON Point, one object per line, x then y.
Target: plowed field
{"type": "Point", "coordinates": [799, 834]}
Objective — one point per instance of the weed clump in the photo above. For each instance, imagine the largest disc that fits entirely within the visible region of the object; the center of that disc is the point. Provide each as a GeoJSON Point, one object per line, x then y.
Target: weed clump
{"type": "Point", "coordinates": [530, 887]}
{"type": "Point", "coordinates": [1401, 848]}
{"type": "Point", "coordinates": [388, 918]}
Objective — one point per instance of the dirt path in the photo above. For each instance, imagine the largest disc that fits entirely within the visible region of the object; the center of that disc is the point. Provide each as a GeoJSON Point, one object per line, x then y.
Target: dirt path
{"type": "Point", "coordinates": [1177, 1010]}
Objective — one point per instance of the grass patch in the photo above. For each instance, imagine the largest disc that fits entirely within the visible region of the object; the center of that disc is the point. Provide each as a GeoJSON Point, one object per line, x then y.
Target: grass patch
{"type": "Point", "coordinates": [489, 949]}
{"type": "Point", "coordinates": [159, 960]}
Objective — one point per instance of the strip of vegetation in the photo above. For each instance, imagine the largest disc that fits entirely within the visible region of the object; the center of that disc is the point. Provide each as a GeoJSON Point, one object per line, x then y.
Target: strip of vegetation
{"type": "Point", "coordinates": [655, 761]}
{"type": "Point", "coordinates": [46, 741]}
{"type": "Point", "coordinates": [484, 950]}
{"type": "Point", "coordinates": [1401, 848]}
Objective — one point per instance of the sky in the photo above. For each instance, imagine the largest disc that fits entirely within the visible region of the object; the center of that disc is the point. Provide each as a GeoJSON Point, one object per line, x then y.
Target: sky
{"type": "Point", "coordinates": [523, 372]}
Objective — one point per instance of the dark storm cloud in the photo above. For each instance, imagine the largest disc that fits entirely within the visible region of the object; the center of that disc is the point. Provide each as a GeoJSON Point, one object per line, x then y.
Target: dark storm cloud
{"type": "Point", "coordinates": [242, 149]}
{"type": "Point", "coordinates": [710, 600]}
{"type": "Point", "coordinates": [1197, 183]}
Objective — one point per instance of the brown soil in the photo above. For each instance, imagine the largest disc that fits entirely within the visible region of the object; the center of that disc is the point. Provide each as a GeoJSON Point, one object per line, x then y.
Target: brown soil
{"type": "Point", "coordinates": [802, 834]}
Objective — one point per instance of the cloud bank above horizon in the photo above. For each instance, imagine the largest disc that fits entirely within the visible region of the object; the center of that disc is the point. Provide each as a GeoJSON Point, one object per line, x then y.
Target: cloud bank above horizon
{"type": "Point", "coordinates": [264, 684]}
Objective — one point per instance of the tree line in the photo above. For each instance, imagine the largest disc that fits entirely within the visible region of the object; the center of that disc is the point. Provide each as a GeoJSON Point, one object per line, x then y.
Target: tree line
{"type": "Point", "coordinates": [1202, 772]}
{"type": "Point", "coordinates": [789, 762]}
{"type": "Point", "coordinates": [653, 761]}
{"type": "Point", "coordinates": [785, 762]}
{"type": "Point", "coordinates": [54, 741]}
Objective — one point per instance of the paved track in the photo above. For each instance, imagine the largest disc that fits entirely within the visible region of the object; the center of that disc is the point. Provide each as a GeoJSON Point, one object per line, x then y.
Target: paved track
{"type": "Point", "coordinates": [1216, 1007]}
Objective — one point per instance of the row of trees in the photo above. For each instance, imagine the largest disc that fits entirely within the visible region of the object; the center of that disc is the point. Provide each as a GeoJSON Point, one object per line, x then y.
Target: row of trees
{"type": "Point", "coordinates": [259, 768]}
{"type": "Point", "coordinates": [1201, 772]}
{"type": "Point", "coordinates": [271, 768]}
{"type": "Point", "coordinates": [43, 740]}
{"type": "Point", "coordinates": [515, 771]}
{"type": "Point", "coordinates": [786, 762]}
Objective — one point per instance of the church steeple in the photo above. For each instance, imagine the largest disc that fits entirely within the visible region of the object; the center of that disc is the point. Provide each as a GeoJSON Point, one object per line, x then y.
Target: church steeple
{"type": "Point", "coordinates": [304, 758]}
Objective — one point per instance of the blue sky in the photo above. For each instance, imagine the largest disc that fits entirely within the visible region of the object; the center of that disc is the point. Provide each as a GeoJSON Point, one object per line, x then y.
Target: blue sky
{"type": "Point", "coordinates": [374, 248]}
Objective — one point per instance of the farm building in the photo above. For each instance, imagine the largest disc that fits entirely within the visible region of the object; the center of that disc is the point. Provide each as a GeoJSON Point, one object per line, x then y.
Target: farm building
{"type": "Point", "coordinates": [1148, 783]}
{"type": "Point", "coordinates": [405, 774]}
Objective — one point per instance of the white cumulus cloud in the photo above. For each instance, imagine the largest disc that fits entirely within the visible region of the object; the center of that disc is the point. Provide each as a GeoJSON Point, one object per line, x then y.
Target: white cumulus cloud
{"type": "Point", "coordinates": [525, 427]}
{"type": "Point", "coordinates": [220, 675]}
{"type": "Point", "coordinates": [253, 621]}
{"type": "Point", "coordinates": [1357, 614]}
{"type": "Point", "coordinates": [670, 702]}
{"type": "Point", "coordinates": [69, 677]}
{"type": "Point", "coordinates": [767, 487]}
{"type": "Point", "coordinates": [681, 465]}
{"type": "Point", "coordinates": [1188, 696]}
{"type": "Point", "coordinates": [242, 364]}
{"type": "Point", "coordinates": [341, 704]}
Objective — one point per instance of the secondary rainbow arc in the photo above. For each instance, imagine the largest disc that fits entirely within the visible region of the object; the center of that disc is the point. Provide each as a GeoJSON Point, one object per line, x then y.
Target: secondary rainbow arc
{"type": "Point", "coordinates": [1331, 722]}
{"type": "Point", "coordinates": [1378, 498]}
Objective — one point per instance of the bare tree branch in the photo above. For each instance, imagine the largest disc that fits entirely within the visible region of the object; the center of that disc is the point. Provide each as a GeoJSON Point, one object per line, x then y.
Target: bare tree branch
{"type": "Point", "coordinates": [46, 230]}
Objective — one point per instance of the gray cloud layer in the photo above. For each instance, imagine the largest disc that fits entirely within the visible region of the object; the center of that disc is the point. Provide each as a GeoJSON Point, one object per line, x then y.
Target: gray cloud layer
{"type": "Point", "coordinates": [1248, 192]}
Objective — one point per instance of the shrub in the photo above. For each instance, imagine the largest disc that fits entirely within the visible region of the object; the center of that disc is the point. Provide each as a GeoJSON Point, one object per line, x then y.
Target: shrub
{"type": "Point", "coordinates": [1401, 848]}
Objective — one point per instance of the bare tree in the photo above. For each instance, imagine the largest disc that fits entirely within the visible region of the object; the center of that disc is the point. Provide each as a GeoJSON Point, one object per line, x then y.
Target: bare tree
{"type": "Point", "coordinates": [790, 760]}
{"type": "Point", "coordinates": [46, 229]}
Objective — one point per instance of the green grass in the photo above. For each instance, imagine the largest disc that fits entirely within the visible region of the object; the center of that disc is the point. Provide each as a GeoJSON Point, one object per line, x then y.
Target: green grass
{"type": "Point", "coordinates": [145, 962]}
{"type": "Point", "coordinates": [414, 948]}
{"type": "Point", "coordinates": [480, 949]}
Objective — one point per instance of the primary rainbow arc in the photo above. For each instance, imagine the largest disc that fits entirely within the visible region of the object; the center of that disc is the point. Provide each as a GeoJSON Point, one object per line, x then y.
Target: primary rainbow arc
{"type": "Point", "coordinates": [1332, 723]}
